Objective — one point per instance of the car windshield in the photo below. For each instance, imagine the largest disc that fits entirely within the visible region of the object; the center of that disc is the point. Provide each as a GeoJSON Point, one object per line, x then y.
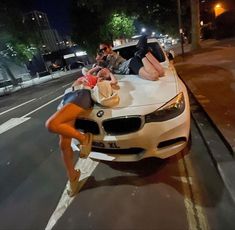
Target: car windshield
{"type": "Point", "coordinates": [128, 52]}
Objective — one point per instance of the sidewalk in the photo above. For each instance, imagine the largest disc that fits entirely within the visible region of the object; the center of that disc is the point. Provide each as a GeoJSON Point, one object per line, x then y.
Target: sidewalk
{"type": "Point", "coordinates": [209, 74]}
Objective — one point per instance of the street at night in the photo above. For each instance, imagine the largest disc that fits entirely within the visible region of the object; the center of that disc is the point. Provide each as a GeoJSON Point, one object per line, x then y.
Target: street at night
{"type": "Point", "coordinates": [182, 192]}
{"type": "Point", "coordinates": [117, 115]}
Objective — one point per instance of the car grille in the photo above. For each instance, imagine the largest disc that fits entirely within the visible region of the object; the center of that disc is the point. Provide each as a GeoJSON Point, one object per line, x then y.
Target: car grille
{"type": "Point", "coordinates": [113, 126]}
{"type": "Point", "coordinates": [87, 126]}
{"type": "Point", "coordinates": [122, 125]}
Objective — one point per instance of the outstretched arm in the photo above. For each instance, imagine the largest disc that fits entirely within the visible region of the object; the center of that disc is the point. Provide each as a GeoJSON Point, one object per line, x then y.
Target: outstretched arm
{"type": "Point", "coordinates": [79, 81]}
{"type": "Point", "coordinates": [106, 74]}
{"type": "Point", "coordinates": [113, 79]}
{"type": "Point", "coordinates": [94, 69]}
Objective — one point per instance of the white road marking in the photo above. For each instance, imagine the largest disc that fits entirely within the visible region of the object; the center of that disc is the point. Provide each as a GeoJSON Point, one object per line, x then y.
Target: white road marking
{"type": "Point", "coordinates": [17, 106]}
{"type": "Point", "coordinates": [49, 102]}
{"type": "Point", "coordinates": [13, 122]}
{"type": "Point", "coordinates": [87, 166]}
{"type": "Point", "coordinates": [184, 179]}
{"type": "Point", "coordinates": [192, 200]}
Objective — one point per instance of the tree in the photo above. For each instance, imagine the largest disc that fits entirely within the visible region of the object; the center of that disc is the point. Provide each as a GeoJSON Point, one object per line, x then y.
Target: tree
{"type": "Point", "coordinates": [14, 49]}
{"type": "Point", "coordinates": [92, 18]}
{"type": "Point", "coordinates": [195, 18]}
{"type": "Point", "coordinates": [160, 14]}
{"type": "Point", "coordinates": [118, 26]}
{"type": "Point", "coordinates": [15, 39]}
{"type": "Point", "coordinates": [86, 24]}
{"type": "Point", "coordinates": [11, 49]}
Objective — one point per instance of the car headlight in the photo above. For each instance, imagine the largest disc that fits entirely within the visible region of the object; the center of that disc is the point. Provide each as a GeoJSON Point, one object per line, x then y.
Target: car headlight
{"type": "Point", "coordinates": [171, 109]}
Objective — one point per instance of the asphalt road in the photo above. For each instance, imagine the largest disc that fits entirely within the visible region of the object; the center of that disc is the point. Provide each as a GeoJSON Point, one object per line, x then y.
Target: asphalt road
{"type": "Point", "coordinates": [182, 192]}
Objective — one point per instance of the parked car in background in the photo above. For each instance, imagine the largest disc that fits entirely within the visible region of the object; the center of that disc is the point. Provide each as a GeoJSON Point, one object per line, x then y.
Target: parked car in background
{"type": "Point", "coordinates": [76, 65]}
{"type": "Point", "coordinates": [151, 120]}
{"type": "Point", "coordinates": [54, 67]}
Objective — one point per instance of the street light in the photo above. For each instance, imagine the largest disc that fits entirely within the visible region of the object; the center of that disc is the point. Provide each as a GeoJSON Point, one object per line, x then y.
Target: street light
{"type": "Point", "coordinates": [218, 9]}
{"type": "Point", "coordinates": [143, 30]}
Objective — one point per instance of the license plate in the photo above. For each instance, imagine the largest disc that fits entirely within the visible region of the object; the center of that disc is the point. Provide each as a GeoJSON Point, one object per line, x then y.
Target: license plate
{"type": "Point", "coordinates": [106, 145]}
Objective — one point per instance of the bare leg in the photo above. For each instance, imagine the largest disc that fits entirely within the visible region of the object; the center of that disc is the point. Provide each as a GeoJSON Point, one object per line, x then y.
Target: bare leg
{"type": "Point", "coordinates": [155, 63]}
{"type": "Point", "coordinates": [60, 122]}
{"type": "Point", "coordinates": [68, 158]}
{"type": "Point", "coordinates": [148, 71]}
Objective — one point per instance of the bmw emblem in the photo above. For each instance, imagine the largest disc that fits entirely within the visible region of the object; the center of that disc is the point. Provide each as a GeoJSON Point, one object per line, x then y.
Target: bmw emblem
{"type": "Point", "coordinates": [100, 113]}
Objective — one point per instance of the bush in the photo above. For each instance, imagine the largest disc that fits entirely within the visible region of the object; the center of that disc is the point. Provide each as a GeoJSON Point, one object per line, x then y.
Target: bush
{"type": "Point", "coordinates": [225, 25]}
{"type": "Point", "coordinates": [207, 32]}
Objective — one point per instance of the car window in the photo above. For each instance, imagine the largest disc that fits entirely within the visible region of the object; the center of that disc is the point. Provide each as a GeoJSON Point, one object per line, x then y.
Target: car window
{"type": "Point", "coordinates": [128, 52]}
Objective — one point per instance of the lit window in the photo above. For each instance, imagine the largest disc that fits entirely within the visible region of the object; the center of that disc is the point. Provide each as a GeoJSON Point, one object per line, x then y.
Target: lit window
{"type": "Point", "coordinates": [81, 53]}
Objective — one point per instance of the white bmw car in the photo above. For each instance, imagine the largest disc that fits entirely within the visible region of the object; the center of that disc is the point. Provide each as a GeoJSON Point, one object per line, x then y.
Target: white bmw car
{"type": "Point", "coordinates": [151, 120]}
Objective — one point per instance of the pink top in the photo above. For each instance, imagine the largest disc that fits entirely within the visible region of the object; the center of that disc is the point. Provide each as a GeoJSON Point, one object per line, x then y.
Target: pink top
{"type": "Point", "coordinates": [88, 80]}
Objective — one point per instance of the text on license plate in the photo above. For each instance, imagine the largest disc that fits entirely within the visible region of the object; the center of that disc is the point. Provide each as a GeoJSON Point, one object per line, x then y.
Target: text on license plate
{"type": "Point", "coordinates": [110, 145]}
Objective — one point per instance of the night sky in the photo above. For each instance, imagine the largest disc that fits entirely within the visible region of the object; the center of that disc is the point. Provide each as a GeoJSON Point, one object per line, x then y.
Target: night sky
{"type": "Point", "coordinates": [57, 12]}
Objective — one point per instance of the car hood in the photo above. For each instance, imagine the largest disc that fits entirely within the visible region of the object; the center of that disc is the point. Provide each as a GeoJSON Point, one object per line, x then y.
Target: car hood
{"type": "Point", "coordinates": [135, 91]}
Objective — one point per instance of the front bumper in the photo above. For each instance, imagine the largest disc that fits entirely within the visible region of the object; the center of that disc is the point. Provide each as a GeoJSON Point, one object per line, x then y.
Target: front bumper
{"type": "Point", "coordinates": [155, 139]}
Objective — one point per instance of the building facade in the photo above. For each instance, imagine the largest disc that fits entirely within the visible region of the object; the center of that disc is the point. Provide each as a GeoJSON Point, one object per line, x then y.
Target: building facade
{"type": "Point", "coordinates": [47, 37]}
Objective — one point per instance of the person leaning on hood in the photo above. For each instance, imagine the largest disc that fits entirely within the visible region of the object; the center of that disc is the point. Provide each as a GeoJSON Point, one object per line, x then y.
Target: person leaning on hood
{"type": "Point", "coordinates": [77, 103]}
{"type": "Point", "coordinates": [143, 63]}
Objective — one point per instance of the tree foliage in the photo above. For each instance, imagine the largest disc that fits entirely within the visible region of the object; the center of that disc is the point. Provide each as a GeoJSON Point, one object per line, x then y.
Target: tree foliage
{"type": "Point", "coordinates": [15, 40]}
{"type": "Point", "coordinates": [118, 26]}
{"type": "Point", "coordinates": [86, 25]}
{"type": "Point", "coordinates": [92, 19]}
